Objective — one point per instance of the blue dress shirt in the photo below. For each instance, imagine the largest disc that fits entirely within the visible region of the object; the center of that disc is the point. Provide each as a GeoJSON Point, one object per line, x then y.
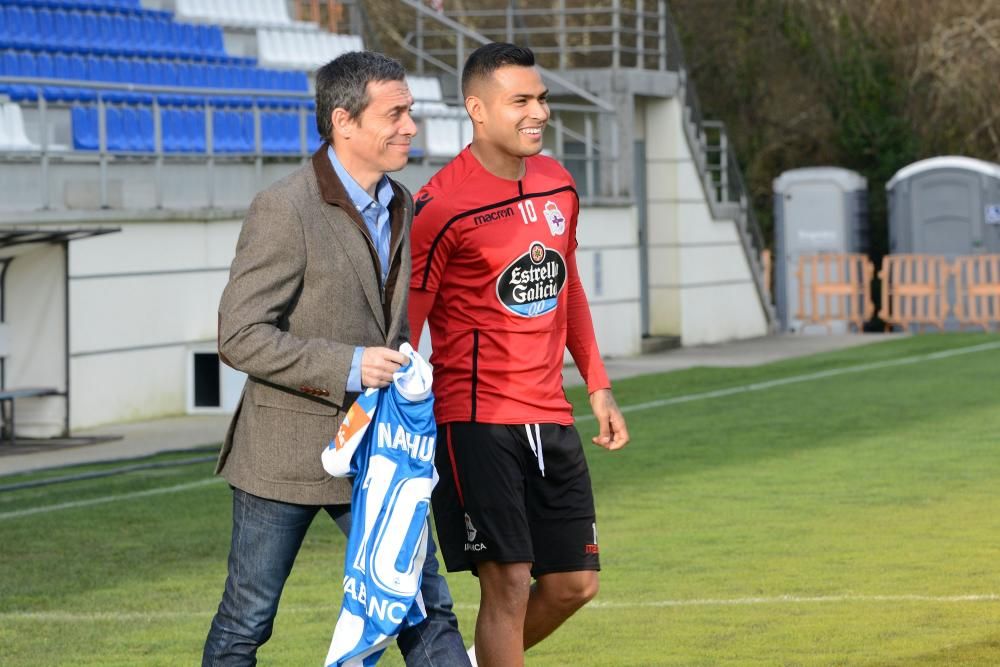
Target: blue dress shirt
{"type": "Point", "coordinates": [375, 213]}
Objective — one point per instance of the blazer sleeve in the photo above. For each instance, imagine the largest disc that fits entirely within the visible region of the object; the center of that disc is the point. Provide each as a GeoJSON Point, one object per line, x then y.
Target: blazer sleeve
{"type": "Point", "coordinates": [264, 281]}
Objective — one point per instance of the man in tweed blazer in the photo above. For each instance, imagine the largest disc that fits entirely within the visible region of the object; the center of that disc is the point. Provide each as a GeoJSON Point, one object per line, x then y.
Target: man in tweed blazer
{"type": "Point", "coordinates": [314, 311]}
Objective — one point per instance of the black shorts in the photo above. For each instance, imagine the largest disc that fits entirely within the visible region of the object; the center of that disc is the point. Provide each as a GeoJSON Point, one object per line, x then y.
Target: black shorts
{"type": "Point", "coordinates": [514, 493]}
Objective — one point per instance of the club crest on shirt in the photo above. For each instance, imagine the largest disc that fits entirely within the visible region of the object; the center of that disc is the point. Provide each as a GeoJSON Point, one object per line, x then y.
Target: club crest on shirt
{"type": "Point", "coordinates": [530, 285]}
{"type": "Point", "coordinates": [555, 218]}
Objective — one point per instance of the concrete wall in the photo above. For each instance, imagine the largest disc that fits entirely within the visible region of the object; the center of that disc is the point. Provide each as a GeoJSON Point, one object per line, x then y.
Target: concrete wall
{"type": "Point", "coordinates": [140, 302]}
{"type": "Point", "coordinates": [608, 260]}
{"type": "Point", "coordinates": [700, 283]}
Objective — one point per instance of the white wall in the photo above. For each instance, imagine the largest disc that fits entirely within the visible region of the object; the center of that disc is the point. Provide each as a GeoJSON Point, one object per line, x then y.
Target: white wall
{"type": "Point", "coordinates": [140, 301]}
{"type": "Point", "coordinates": [608, 260]}
{"type": "Point", "coordinates": [700, 283]}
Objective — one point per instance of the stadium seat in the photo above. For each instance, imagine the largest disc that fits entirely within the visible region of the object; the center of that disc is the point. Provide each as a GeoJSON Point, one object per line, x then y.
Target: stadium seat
{"type": "Point", "coordinates": [146, 137]}
{"type": "Point", "coordinates": [424, 88]}
{"type": "Point", "coordinates": [302, 49]}
{"type": "Point", "coordinates": [85, 128]}
{"type": "Point", "coordinates": [114, 127]}
{"type": "Point", "coordinates": [280, 132]}
{"type": "Point", "coordinates": [251, 13]}
{"type": "Point", "coordinates": [11, 64]}
{"type": "Point", "coordinates": [12, 134]}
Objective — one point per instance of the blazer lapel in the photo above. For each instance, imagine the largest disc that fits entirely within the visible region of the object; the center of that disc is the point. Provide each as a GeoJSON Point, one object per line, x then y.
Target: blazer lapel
{"type": "Point", "coordinates": [347, 224]}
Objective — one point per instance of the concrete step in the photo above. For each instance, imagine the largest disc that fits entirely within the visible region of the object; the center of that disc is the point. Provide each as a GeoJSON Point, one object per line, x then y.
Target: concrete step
{"type": "Point", "coordinates": [652, 344]}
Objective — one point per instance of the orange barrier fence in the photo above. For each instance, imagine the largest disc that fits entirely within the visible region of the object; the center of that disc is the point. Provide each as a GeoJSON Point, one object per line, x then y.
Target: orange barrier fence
{"type": "Point", "coordinates": [329, 14]}
{"type": "Point", "coordinates": [917, 290]}
{"type": "Point", "coordinates": [767, 267]}
{"type": "Point", "coordinates": [835, 287]}
{"type": "Point", "coordinates": [977, 291]}
{"type": "Point", "coordinates": [914, 291]}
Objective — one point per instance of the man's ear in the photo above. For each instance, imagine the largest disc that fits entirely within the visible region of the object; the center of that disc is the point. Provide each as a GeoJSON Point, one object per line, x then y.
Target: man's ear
{"type": "Point", "coordinates": [474, 106]}
{"type": "Point", "coordinates": [342, 124]}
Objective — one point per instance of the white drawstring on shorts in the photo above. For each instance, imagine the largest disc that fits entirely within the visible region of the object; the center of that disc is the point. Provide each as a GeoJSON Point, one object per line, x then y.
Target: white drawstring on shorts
{"type": "Point", "coordinates": [536, 449]}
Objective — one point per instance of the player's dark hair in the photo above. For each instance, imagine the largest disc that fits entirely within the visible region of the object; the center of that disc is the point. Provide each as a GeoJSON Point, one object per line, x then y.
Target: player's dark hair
{"type": "Point", "coordinates": [343, 83]}
{"type": "Point", "coordinates": [488, 58]}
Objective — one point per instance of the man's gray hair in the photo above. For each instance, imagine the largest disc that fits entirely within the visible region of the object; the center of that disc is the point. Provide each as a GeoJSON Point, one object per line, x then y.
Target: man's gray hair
{"type": "Point", "coordinates": [343, 83]}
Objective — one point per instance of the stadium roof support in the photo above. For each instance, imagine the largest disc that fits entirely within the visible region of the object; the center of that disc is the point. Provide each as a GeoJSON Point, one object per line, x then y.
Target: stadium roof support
{"type": "Point", "coordinates": [14, 236]}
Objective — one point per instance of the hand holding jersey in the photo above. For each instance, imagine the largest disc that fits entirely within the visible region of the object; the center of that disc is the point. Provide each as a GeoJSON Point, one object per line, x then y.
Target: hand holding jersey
{"type": "Point", "coordinates": [378, 365]}
{"type": "Point", "coordinates": [494, 272]}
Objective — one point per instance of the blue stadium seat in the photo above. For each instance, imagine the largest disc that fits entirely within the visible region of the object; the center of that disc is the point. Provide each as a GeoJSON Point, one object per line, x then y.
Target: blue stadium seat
{"type": "Point", "coordinates": [280, 132]}
{"type": "Point", "coordinates": [47, 28]}
{"type": "Point", "coordinates": [26, 64]}
{"type": "Point", "coordinates": [90, 30]}
{"type": "Point", "coordinates": [70, 68]}
{"type": "Point", "coordinates": [146, 135]}
{"type": "Point", "coordinates": [225, 131]}
{"type": "Point", "coordinates": [197, 74]}
{"type": "Point", "coordinates": [171, 127]}
{"type": "Point", "coordinates": [85, 131]}
{"type": "Point", "coordinates": [132, 138]}
{"type": "Point", "coordinates": [247, 131]}
{"type": "Point", "coordinates": [45, 68]}
{"type": "Point", "coordinates": [140, 72]}
{"type": "Point", "coordinates": [313, 140]}
{"type": "Point", "coordinates": [114, 126]}
{"type": "Point", "coordinates": [22, 64]}
{"type": "Point", "coordinates": [29, 36]}
{"type": "Point", "coordinates": [183, 131]}
{"type": "Point", "coordinates": [64, 30]}
{"type": "Point", "coordinates": [194, 127]}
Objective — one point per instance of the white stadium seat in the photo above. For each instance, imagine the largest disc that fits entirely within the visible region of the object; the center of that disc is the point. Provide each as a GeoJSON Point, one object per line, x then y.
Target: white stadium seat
{"type": "Point", "coordinates": [239, 13]}
{"type": "Point", "coordinates": [12, 134]}
{"type": "Point", "coordinates": [295, 48]}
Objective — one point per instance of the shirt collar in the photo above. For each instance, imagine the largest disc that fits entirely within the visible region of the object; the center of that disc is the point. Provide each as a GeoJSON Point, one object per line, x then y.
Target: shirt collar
{"type": "Point", "coordinates": [359, 196]}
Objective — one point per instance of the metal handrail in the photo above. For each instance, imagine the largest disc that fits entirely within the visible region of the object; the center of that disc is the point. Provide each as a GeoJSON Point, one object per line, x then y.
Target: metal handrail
{"type": "Point", "coordinates": [564, 83]}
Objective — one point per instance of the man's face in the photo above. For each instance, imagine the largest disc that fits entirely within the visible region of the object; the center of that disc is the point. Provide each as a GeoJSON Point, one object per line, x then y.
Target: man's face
{"type": "Point", "coordinates": [515, 110]}
{"type": "Point", "coordinates": [380, 136]}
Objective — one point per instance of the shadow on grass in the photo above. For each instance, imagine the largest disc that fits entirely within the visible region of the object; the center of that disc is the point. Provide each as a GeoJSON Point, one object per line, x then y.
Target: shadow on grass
{"type": "Point", "coordinates": [986, 653]}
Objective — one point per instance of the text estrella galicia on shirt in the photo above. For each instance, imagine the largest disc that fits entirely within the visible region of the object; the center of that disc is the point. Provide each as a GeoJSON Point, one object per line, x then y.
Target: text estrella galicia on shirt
{"type": "Point", "coordinates": [531, 284]}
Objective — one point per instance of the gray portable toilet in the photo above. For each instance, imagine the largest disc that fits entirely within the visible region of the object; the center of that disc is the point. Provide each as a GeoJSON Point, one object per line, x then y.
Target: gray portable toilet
{"type": "Point", "coordinates": [945, 206]}
{"type": "Point", "coordinates": [816, 210]}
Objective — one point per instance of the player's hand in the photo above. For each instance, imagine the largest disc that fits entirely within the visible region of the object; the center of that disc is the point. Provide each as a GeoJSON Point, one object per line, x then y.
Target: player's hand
{"type": "Point", "coordinates": [378, 364]}
{"type": "Point", "coordinates": [614, 433]}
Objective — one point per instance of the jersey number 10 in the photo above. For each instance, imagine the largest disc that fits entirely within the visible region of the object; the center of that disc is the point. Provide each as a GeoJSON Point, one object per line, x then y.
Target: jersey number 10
{"type": "Point", "coordinates": [527, 209]}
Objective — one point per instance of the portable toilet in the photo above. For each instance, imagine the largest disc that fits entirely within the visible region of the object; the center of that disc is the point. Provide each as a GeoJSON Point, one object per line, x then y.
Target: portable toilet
{"type": "Point", "coordinates": [945, 206]}
{"type": "Point", "coordinates": [816, 210]}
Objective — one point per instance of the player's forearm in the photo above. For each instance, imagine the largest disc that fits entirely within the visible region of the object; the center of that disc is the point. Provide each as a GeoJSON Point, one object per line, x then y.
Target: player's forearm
{"type": "Point", "coordinates": [580, 337]}
{"type": "Point", "coordinates": [418, 308]}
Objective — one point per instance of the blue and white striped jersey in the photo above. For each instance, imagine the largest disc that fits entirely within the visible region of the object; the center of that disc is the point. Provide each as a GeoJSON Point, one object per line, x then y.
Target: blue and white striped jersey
{"type": "Point", "coordinates": [387, 443]}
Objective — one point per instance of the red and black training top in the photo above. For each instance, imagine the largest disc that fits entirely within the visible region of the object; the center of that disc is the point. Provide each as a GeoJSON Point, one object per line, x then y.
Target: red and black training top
{"type": "Point", "coordinates": [494, 271]}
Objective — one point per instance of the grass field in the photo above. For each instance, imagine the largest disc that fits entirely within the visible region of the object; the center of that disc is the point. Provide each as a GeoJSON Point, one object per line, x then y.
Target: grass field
{"type": "Point", "coordinates": [841, 509]}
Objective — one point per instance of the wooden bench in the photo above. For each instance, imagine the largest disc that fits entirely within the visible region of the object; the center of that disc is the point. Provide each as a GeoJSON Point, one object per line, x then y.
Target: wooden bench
{"type": "Point", "coordinates": [7, 398]}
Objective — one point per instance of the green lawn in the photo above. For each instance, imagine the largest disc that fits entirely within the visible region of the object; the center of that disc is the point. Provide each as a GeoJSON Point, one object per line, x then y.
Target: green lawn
{"type": "Point", "coordinates": [845, 520]}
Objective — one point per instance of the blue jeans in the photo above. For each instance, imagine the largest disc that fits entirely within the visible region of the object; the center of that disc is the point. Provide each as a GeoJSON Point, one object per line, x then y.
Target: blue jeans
{"type": "Point", "coordinates": [266, 538]}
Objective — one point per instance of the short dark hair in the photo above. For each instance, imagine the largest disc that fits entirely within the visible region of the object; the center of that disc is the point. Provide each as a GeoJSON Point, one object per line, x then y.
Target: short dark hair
{"type": "Point", "coordinates": [343, 82]}
{"type": "Point", "coordinates": [488, 58]}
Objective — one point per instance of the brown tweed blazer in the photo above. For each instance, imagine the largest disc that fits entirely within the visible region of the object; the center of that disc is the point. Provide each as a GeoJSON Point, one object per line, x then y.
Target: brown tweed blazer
{"type": "Point", "coordinates": [303, 292]}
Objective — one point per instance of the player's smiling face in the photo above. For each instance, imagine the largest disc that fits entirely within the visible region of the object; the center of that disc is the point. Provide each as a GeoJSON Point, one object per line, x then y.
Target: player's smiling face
{"type": "Point", "coordinates": [515, 110]}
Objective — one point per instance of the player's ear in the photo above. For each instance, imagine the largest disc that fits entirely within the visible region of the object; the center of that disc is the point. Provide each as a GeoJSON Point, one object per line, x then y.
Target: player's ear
{"type": "Point", "coordinates": [474, 106]}
{"type": "Point", "coordinates": [342, 123]}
